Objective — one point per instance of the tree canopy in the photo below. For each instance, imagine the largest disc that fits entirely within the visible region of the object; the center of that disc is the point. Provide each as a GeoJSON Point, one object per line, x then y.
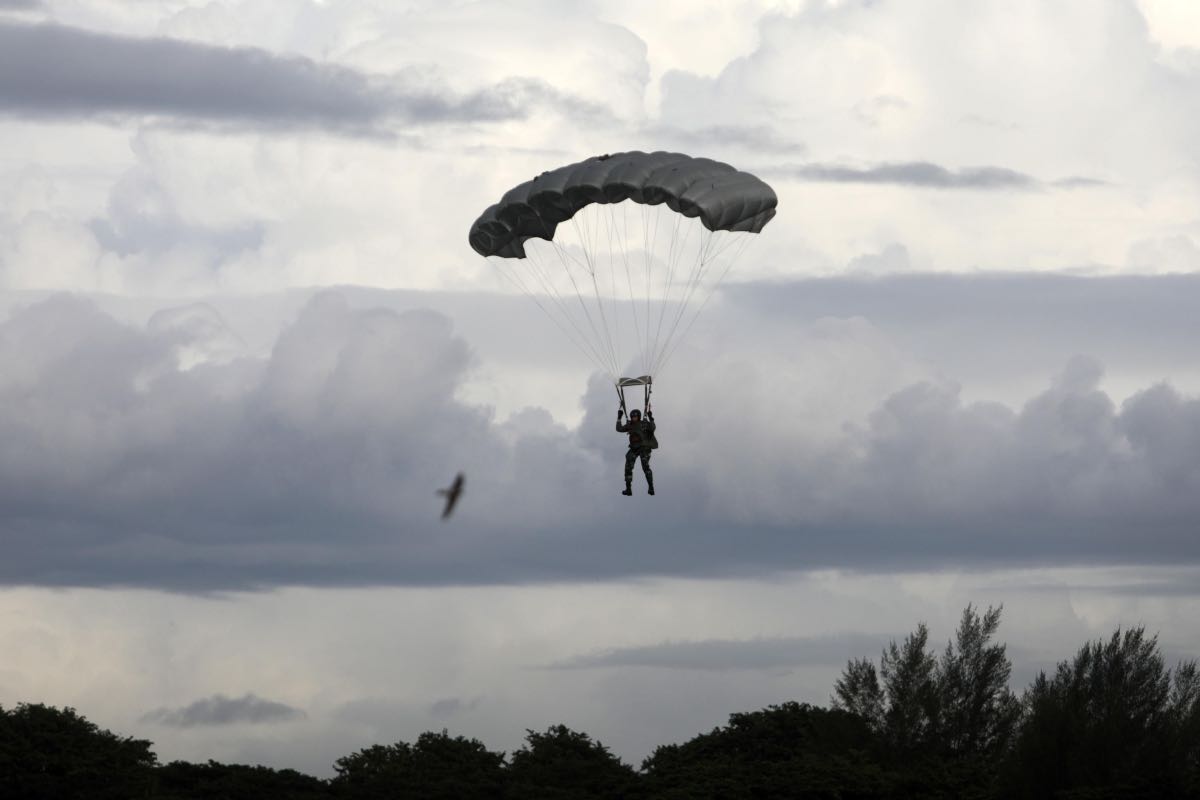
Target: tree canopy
{"type": "Point", "coordinates": [56, 754]}
{"type": "Point", "coordinates": [1114, 721]}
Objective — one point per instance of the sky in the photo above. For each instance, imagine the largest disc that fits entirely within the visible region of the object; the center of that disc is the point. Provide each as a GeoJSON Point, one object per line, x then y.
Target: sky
{"type": "Point", "coordinates": [243, 340]}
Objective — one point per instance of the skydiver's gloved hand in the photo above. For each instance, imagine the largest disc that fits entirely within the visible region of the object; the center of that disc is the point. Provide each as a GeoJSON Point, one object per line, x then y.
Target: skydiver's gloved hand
{"type": "Point", "coordinates": [620, 413]}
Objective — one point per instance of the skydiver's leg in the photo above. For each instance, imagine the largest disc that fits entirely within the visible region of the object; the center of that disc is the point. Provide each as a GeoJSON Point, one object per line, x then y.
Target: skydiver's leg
{"type": "Point", "coordinates": [645, 454]}
{"type": "Point", "coordinates": [630, 457]}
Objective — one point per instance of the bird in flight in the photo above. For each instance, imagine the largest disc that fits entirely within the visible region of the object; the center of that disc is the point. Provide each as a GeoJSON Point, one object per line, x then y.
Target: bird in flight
{"type": "Point", "coordinates": [452, 494]}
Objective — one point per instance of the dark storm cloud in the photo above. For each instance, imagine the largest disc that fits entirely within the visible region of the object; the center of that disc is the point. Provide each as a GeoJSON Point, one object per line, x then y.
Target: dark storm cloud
{"type": "Point", "coordinates": [733, 654]}
{"type": "Point", "coordinates": [221, 710]}
{"type": "Point", "coordinates": [974, 326]}
{"type": "Point", "coordinates": [112, 76]}
{"type": "Point", "coordinates": [317, 465]}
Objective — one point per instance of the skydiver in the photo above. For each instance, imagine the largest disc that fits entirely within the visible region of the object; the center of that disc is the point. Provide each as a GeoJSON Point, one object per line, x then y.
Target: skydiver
{"type": "Point", "coordinates": [641, 442]}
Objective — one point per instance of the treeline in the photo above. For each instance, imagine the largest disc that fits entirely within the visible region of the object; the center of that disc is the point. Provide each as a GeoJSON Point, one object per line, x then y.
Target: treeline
{"type": "Point", "coordinates": [1115, 721]}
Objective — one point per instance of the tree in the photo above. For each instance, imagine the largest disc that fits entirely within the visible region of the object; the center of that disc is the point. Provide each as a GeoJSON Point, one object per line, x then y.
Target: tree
{"type": "Point", "coordinates": [1185, 721]}
{"type": "Point", "coordinates": [453, 768]}
{"type": "Point", "coordinates": [858, 692]}
{"type": "Point", "coordinates": [792, 750]}
{"type": "Point", "coordinates": [181, 780]}
{"type": "Point", "coordinates": [910, 688]}
{"type": "Point", "coordinates": [56, 754]}
{"type": "Point", "coordinates": [944, 720]}
{"type": "Point", "coordinates": [377, 771]}
{"type": "Point", "coordinates": [436, 767]}
{"type": "Point", "coordinates": [562, 763]}
{"type": "Point", "coordinates": [1108, 724]}
{"type": "Point", "coordinates": [978, 713]}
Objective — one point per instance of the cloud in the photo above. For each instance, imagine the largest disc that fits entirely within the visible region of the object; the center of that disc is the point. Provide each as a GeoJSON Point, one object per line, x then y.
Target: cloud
{"type": "Point", "coordinates": [987, 122]}
{"type": "Point", "coordinates": [166, 456]}
{"type": "Point", "coordinates": [227, 458]}
{"type": "Point", "coordinates": [882, 94]}
{"type": "Point", "coordinates": [892, 260]}
{"type": "Point", "coordinates": [116, 76]}
{"type": "Point", "coordinates": [1162, 583]}
{"type": "Point", "coordinates": [383, 714]}
{"type": "Point", "coordinates": [142, 217]}
{"type": "Point", "coordinates": [222, 710]}
{"type": "Point", "coordinates": [1080, 182]}
{"type": "Point", "coordinates": [999, 329]}
{"type": "Point", "coordinates": [1177, 253]}
{"type": "Point", "coordinates": [21, 5]}
{"type": "Point", "coordinates": [448, 707]}
{"type": "Point", "coordinates": [921, 174]}
{"type": "Point", "coordinates": [757, 138]}
{"type": "Point", "coordinates": [733, 654]}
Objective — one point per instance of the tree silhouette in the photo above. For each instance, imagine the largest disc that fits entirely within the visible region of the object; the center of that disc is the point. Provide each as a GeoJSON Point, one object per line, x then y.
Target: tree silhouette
{"type": "Point", "coordinates": [562, 763]}
{"type": "Point", "coordinates": [977, 712]}
{"type": "Point", "coordinates": [52, 754]}
{"type": "Point", "coordinates": [910, 687]}
{"type": "Point", "coordinates": [945, 721]}
{"type": "Point", "coordinates": [791, 750]}
{"type": "Point", "coordinates": [858, 691]}
{"type": "Point", "coordinates": [1185, 721]}
{"type": "Point", "coordinates": [181, 780]}
{"type": "Point", "coordinates": [1112, 722]}
{"type": "Point", "coordinates": [904, 707]}
{"type": "Point", "coordinates": [436, 766]}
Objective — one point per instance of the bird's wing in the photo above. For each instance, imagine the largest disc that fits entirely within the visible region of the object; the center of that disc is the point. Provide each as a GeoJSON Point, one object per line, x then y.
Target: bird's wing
{"type": "Point", "coordinates": [452, 494]}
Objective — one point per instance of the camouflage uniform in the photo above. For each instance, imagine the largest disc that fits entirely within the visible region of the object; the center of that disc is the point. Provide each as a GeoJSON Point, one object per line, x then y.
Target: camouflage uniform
{"type": "Point", "coordinates": [641, 442]}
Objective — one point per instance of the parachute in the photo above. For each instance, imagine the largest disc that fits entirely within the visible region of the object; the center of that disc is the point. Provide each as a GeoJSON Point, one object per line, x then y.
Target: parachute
{"type": "Point", "coordinates": [623, 251]}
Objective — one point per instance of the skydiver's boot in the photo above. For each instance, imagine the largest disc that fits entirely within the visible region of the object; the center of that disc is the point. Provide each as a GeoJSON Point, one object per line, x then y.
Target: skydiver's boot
{"type": "Point", "coordinates": [628, 487]}
{"type": "Point", "coordinates": [649, 484]}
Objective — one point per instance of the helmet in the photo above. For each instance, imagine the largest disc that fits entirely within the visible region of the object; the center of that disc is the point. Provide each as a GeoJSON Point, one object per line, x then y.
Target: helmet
{"type": "Point", "coordinates": [635, 413]}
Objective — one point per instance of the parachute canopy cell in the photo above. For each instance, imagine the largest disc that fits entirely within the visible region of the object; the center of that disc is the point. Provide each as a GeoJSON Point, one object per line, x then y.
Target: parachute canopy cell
{"type": "Point", "coordinates": [723, 197]}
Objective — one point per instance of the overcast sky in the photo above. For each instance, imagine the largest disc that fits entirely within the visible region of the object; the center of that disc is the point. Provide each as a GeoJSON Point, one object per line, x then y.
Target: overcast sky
{"type": "Point", "coordinates": [243, 339]}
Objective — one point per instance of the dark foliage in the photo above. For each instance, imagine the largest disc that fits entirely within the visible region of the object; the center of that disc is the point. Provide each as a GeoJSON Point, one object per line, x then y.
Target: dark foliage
{"type": "Point", "coordinates": [561, 764]}
{"type": "Point", "coordinates": [1185, 721]}
{"type": "Point", "coordinates": [1113, 722]}
{"type": "Point", "coordinates": [180, 780]}
{"type": "Point", "coordinates": [52, 754]}
{"type": "Point", "coordinates": [945, 722]}
{"type": "Point", "coordinates": [435, 767]}
{"type": "Point", "coordinates": [977, 714]}
{"type": "Point", "coordinates": [788, 751]}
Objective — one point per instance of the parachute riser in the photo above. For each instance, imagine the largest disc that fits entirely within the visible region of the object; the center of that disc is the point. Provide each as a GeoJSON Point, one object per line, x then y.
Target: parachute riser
{"type": "Point", "coordinates": [646, 382]}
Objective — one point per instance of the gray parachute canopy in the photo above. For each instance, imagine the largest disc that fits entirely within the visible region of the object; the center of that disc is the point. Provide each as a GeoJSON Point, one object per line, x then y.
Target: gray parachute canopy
{"type": "Point", "coordinates": [720, 195]}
